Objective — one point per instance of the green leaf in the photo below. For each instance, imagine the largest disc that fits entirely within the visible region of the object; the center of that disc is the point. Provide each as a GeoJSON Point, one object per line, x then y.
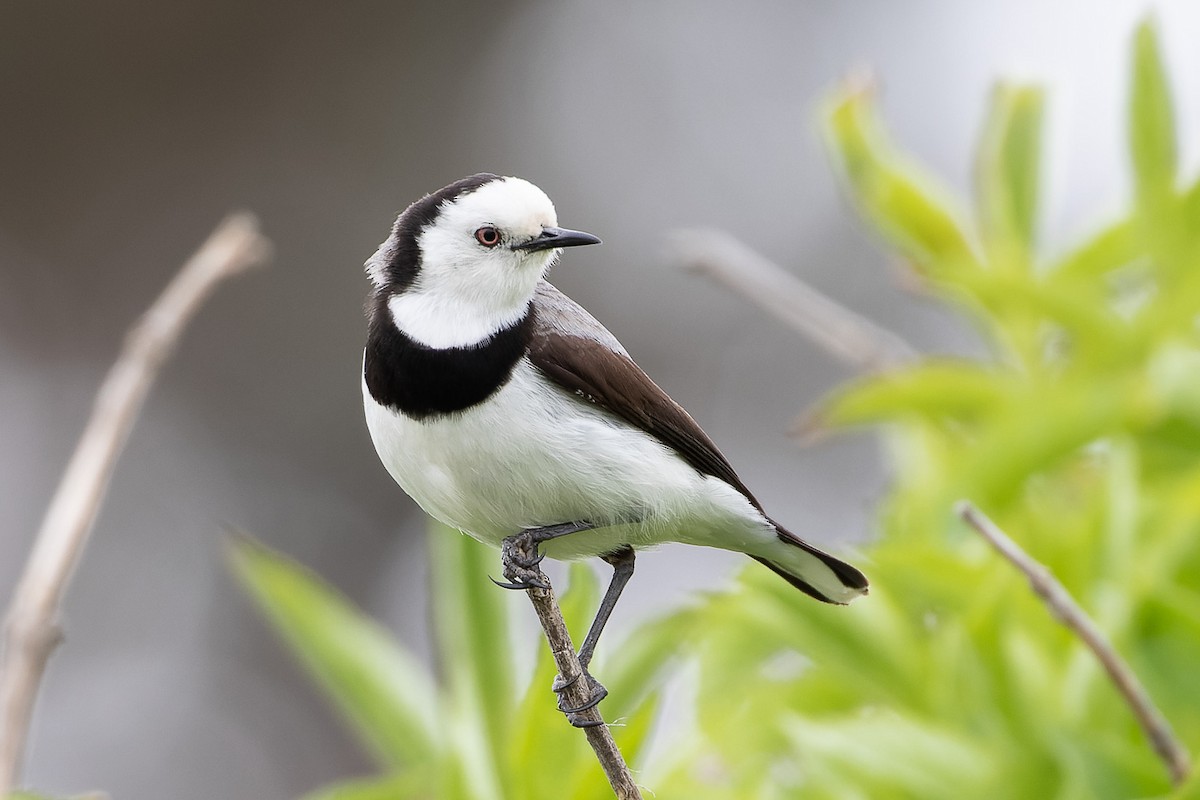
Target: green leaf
{"type": "Point", "coordinates": [381, 689]}
{"type": "Point", "coordinates": [961, 390]}
{"type": "Point", "coordinates": [1115, 246]}
{"type": "Point", "coordinates": [1025, 309]}
{"type": "Point", "coordinates": [1052, 426]}
{"type": "Point", "coordinates": [632, 732]}
{"type": "Point", "coordinates": [471, 622]}
{"type": "Point", "coordinates": [897, 197]}
{"type": "Point", "coordinates": [1008, 169]}
{"type": "Point", "coordinates": [1151, 118]}
{"type": "Point", "coordinates": [636, 666]}
{"type": "Point", "coordinates": [471, 615]}
{"type": "Point", "coordinates": [895, 755]}
{"type": "Point", "coordinates": [579, 602]}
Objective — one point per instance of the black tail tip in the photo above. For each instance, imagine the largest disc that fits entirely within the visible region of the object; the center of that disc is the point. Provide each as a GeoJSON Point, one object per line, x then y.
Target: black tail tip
{"type": "Point", "coordinates": [860, 585]}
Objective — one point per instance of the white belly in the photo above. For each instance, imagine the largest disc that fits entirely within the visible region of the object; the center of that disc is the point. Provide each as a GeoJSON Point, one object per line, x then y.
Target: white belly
{"type": "Point", "coordinates": [532, 455]}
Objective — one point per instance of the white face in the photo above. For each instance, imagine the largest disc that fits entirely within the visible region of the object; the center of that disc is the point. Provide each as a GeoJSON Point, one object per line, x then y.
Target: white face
{"type": "Point", "coordinates": [470, 284]}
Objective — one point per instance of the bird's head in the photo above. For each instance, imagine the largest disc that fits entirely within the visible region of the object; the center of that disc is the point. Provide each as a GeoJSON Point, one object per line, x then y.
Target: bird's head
{"type": "Point", "coordinates": [463, 262]}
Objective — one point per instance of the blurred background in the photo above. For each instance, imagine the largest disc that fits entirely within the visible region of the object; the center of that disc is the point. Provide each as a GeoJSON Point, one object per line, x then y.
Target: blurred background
{"type": "Point", "coordinates": [131, 128]}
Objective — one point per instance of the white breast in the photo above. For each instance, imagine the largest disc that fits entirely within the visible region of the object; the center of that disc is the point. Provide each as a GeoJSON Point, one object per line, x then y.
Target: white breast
{"type": "Point", "coordinates": [531, 455]}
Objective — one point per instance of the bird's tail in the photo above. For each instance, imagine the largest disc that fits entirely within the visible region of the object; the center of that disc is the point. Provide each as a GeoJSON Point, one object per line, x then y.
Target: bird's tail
{"type": "Point", "coordinates": [813, 572]}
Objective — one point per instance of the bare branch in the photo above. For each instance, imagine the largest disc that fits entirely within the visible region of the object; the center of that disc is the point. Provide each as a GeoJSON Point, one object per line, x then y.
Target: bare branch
{"type": "Point", "coordinates": [846, 335]}
{"type": "Point", "coordinates": [1067, 611]}
{"type": "Point", "coordinates": [32, 629]}
{"type": "Point", "coordinates": [578, 693]}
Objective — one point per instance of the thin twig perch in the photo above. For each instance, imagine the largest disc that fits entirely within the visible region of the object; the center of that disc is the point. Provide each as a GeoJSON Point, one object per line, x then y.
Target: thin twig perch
{"type": "Point", "coordinates": [843, 333]}
{"type": "Point", "coordinates": [578, 693]}
{"type": "Point", "coordinates": [31, 630]}
{"type": "Point", "coordinates": [1067, 611]}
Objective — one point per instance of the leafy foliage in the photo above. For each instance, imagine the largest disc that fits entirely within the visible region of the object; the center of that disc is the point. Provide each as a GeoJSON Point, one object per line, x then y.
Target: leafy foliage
{"type": "Point", "coordinates": [1080, 436]}
{"type": "Point", "coordinates": [478, 732]}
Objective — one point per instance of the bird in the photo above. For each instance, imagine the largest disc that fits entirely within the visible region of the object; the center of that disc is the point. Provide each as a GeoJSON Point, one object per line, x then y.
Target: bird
{"type": "Point", "coordinates": [508, 412]}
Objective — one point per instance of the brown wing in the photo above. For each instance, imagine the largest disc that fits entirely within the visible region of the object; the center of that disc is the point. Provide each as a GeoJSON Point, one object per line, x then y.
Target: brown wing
{"type": "Point", "coordinates": [574, 351]}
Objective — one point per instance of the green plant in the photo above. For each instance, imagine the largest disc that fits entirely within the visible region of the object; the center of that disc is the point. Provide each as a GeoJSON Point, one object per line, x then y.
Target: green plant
{"type": "Point", "coordinates": [1081, 435]}
{"type": "Point", "coordinates": [479, 731]}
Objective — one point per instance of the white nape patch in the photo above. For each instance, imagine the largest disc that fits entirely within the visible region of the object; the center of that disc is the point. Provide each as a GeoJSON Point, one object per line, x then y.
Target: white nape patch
{"type": "Point", "coordinates": [465, 292]}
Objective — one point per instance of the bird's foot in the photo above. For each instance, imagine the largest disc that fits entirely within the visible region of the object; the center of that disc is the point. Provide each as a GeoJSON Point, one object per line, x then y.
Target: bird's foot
{"type": "Point", "coordinates": [596, 693]}
{"type": "Point", "coordinates": [520, 558]}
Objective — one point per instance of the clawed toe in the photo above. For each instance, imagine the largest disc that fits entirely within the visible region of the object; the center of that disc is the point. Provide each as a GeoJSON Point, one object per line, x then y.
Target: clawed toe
{"type": "Point", "coordinates": [597, 692]}
{"type": "Point", "coordinates": [592, 703]}
{"type": "Point", "coordinates": [519, 584]}
{"type": "Point", "coordinates": [527, 562]}
{"type": "Point", "coordinates": [560, 685]}
{"type": "Point", "coordinates": [520, 558]}
{"type": "Point", "coordinates": [584, 723]}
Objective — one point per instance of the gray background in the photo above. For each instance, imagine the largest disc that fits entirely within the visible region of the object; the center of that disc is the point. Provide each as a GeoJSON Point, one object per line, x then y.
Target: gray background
{"type": "Point", "coordinates": [130, 128]}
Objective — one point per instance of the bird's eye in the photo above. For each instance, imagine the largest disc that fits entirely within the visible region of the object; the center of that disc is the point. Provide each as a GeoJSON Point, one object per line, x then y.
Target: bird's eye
{"type": "Point", "coordinates": [488, 236]}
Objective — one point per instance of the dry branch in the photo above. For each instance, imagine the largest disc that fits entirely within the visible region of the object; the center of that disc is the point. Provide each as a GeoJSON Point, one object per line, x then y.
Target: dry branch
{"type": "Point", "coordinates": [31, 630]}
{"type": "Point", "coordinates": [578, 693]}
{"type": "Point", "coordinates": [1067, 611]}
{"type": "Point", "coordinates": [848, 336]}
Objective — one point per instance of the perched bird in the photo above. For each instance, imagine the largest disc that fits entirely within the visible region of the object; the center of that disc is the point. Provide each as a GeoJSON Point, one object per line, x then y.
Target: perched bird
{"type": "Point", "coordinates": [504, 408]}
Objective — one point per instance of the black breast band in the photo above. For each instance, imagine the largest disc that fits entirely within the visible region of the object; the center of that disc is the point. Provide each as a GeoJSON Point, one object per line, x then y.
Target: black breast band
{"type": "Point", "coordinates": [423, 382]}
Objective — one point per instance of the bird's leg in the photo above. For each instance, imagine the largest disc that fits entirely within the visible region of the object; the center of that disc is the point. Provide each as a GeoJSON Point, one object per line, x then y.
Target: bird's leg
{"type": "Point", "coordinates": [520, 558]}
{"type": "Point", "coordinates": [622, 563]}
